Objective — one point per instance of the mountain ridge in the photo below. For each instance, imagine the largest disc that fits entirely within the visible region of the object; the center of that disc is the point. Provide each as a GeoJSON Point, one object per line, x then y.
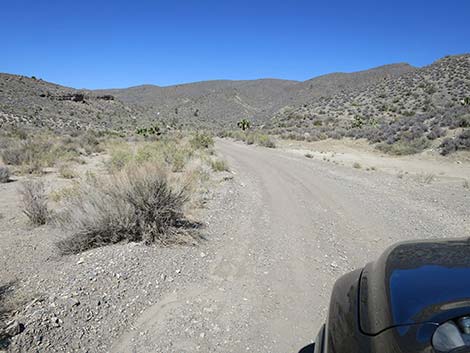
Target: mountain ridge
{"type": "Point", "coordinates": [213, 104]}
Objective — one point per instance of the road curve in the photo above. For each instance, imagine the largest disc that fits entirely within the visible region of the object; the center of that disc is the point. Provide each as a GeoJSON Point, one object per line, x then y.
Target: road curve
{"type": "Point", "coordinates": [297, 225]}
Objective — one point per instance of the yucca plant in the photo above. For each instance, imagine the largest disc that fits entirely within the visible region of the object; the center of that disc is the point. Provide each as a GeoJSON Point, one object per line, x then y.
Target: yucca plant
{"type": "Point", "coordinates": [244, 124]}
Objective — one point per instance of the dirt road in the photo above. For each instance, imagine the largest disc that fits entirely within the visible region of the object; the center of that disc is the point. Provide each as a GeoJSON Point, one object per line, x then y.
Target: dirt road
{"type": "Point", "coordinates": [292, 228]}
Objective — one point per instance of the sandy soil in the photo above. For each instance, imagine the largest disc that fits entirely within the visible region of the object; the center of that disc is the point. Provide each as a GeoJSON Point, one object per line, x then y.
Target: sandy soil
{"type": "Point", "coordinates": [347, 152]}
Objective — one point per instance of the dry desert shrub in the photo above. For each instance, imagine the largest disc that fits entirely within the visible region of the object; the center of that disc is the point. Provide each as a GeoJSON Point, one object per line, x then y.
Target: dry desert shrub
{"type": "Point", "coordinates": [34, 199]}
{"type": "Point", "coordinates": [136, 204]}
{"type": "Point", "coordinates": [219, 165]}
{"type": "Point", "coordinates": [4, 174]}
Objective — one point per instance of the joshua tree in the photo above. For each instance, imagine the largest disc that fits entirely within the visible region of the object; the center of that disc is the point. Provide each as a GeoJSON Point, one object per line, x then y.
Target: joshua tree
{"type": "Point", "coordinates": [146, 131]}
{"type": "Point", "coordinates": [244, 124]}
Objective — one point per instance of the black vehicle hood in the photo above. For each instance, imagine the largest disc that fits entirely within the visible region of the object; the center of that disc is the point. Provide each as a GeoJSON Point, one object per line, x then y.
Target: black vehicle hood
{"type": "Point", "coordinates": [415, 283]}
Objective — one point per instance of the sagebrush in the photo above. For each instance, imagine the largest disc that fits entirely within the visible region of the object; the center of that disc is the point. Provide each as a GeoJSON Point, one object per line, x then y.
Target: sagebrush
{"type": "Point", "coordinates": [34, 199]}
{"type": "Point", "coordinates": [134, 205]}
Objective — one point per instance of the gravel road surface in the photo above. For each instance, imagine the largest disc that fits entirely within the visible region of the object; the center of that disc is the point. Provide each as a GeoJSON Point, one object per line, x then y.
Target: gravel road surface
{"type": "Point", "coordinates": [291, 227]}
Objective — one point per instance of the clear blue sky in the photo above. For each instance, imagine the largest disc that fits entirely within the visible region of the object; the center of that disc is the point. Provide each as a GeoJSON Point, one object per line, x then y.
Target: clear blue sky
{"type": "Point", "coordinates": [115, 43]}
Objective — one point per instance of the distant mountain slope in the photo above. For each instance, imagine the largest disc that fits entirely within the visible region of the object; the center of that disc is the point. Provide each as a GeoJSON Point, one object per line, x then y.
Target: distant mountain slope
{"type": "Point", "coordinates": [208, 103]}
{"type": "Point", "coordinates": [218, 103]}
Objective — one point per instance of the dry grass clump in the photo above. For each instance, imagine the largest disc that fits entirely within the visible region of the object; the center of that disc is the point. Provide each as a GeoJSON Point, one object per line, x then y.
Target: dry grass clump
{"type": "Point", "coordinates": [32, 151]}
{"type": "Point", "coordinates": [136, 204]}
{"type": "Point", "coordinates": [201, 140]}
{"type": "Point", "coordinates": [250, 138]}
{"type": "Point", "coordinates": [219, 165]}
{"type": "Point", "coordinates": [401, 148]}
{"type": "Point", "coordinates": [66, 172]}
{"type": "Point", "coordinates": [65, 192]}
{"type": "Point", "coordinates": [34, 199]}
{"type": "Point", "coordinates": [37, 152]}
{"type": "Point", "coordinates": [265, 141]}
{"type": "Point", "coordinates": [5, 174]}
{"type": "Point", "coordinates": [170, 152]}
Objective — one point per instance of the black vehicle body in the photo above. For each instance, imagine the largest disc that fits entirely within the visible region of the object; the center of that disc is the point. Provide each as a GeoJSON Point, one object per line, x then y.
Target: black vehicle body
{"type": "Point", "coordinates": [397, 303]}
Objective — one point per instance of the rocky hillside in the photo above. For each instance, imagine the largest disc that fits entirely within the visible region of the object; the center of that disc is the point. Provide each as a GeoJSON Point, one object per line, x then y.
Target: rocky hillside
{"type": "Point", "coordinates": [414, 108]}
{"type": "Point", "coordinates": [28, 101]}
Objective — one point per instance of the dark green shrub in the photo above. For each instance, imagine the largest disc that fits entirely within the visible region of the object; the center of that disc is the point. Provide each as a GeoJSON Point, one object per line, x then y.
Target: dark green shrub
{"type": "Point", "coordinates": [149, 131]}
{"type": "Point", "coordinates": [244, 124]}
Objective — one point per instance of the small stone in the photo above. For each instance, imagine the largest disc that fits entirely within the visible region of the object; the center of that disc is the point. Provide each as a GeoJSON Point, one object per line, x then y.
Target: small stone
{"type": "Point", "coordinates": [14, 328]}
{"type": "Point", "coordinates": [178, 271]}
{"type": "Point", "coordinates": [203, 255]}
{"type": "Point", "coordinates": [55, 321]}
{"type": "Point", "coordinates": [80, 261]}
{"type": "Point", "coordinates": [334, 264]}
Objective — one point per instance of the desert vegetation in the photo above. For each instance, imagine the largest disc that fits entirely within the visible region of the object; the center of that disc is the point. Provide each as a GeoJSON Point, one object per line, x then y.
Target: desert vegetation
{"type": "Point", "coordinates": [4, 174]}
{"type": "Point", "coordinates": [135, 204]}
{"type": "Point", "coordinates": [142, 198]}
{"type": "Point", "coordinates": [400, 115]}
{"type": "Point", "coordinates": [244, 124]}
{"type": "Point", "coordinates": [97, 188]}
{"type": "Point", "coordinates": [34, 199]}
{"type": "Point", "coordinates": [30, 152]}
{"type": "Point", "coordinates": [148, 182]}
{"type": "Point", "coordinates": [250, 137]}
